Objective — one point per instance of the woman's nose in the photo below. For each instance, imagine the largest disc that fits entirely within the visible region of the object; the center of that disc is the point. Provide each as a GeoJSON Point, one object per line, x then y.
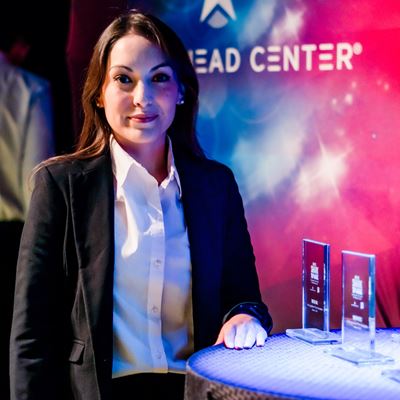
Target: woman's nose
{"type": "Point", "coordinates": [142, 95]}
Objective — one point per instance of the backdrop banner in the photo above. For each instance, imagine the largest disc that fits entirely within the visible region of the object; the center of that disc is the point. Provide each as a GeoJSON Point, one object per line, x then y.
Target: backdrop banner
{"type": "Point", "coordinates": [301, 99]}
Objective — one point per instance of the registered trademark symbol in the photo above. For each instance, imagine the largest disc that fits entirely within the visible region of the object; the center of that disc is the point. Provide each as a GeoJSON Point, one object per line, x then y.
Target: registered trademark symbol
{"type": "Point", "coordinates": [357, 48]}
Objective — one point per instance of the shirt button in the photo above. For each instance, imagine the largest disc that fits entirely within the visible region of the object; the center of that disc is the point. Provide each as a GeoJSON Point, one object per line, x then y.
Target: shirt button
{"type": "Point", "coordinates": [158, 355]}
{"type": "Point", "coordinates": [154, 309]}
{"type": "Point", "coordinates": [157, 263]}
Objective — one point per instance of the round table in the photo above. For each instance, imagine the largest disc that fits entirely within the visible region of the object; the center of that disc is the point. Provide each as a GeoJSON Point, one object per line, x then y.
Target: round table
{"type": "Point", "coordinates": [287, 368]}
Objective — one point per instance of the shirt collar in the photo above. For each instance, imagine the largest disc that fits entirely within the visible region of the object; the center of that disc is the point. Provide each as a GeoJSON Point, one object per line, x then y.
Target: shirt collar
{"type": "Point", "coordinates": [122, 162]}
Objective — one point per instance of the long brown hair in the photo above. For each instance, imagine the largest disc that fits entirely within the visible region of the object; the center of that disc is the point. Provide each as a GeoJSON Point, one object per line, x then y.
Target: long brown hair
{"type": "Point", "coordinates": [95, 133]}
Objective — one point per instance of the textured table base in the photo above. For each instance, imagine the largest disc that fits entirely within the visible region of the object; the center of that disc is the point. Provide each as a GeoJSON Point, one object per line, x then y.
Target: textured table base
{"type": "Point", "coordinates": [198, 388]}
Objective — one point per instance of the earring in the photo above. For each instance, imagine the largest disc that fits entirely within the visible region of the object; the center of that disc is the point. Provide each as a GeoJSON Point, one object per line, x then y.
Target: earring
{"type": "Point", "coordinates": [180, 101]}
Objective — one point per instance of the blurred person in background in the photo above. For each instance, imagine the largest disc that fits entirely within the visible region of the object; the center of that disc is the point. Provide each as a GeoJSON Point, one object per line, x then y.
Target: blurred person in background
{"type": "Point", "coordinates": [26, 139]}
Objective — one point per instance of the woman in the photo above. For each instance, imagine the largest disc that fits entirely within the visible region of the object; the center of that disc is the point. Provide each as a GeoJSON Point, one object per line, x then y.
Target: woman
{"type": "Point", "coordinates": [135, 252]}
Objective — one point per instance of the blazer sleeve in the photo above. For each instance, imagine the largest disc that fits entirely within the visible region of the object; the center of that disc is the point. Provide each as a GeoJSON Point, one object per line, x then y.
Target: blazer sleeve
{"type": "Point", "coordinates": [36, 343]}
{"type": "Point", "coordinates": [241, 292]}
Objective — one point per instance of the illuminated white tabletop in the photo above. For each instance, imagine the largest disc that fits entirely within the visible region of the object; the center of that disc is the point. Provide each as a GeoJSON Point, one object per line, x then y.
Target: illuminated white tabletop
{"type": "Point", "coordinates": [292, 369]}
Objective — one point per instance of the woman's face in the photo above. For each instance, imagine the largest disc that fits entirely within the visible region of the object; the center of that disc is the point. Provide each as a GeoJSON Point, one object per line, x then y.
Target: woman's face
{"type": "Point", "coordinates": [139, 94]}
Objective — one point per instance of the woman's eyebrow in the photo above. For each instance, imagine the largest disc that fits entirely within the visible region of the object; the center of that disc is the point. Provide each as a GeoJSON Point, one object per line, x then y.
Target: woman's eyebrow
{"type": "Point", "coordinates": [163, 64]}
{"type": "Point", "coordinates": [121, 66]}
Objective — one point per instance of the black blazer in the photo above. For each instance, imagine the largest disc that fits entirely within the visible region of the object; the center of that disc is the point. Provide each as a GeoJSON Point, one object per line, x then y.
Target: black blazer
{"type": "Point", "coordinates": [62, 339]}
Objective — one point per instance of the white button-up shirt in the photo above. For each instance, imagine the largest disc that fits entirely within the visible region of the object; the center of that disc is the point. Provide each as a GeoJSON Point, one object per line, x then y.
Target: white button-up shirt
{"type": "Point", "coordinates": [152, 312]}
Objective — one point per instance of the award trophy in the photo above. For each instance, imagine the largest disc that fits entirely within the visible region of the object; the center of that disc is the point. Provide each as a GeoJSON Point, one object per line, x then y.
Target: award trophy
{"type": "Point", "coordinates": [315, 293]}
{"type": "Point", "coordinates": [358, 311]}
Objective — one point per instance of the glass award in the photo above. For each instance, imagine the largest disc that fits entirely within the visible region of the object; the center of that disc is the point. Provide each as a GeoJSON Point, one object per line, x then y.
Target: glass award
{"type": "Point", "coordinates": [358, 311]}
{"type": "Point", "coordinates": [315, 295]}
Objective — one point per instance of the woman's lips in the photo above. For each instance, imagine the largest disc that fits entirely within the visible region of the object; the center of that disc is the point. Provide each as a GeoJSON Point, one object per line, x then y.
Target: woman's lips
{"type": "Point", "coordinates": [143, 118]}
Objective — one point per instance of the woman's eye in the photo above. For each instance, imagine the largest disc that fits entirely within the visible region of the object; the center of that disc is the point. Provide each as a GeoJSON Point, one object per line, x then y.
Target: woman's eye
{"type": "Point", "coordinates": [123, 79]}
{"type": "Point", "coordinates": [161, 77]}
